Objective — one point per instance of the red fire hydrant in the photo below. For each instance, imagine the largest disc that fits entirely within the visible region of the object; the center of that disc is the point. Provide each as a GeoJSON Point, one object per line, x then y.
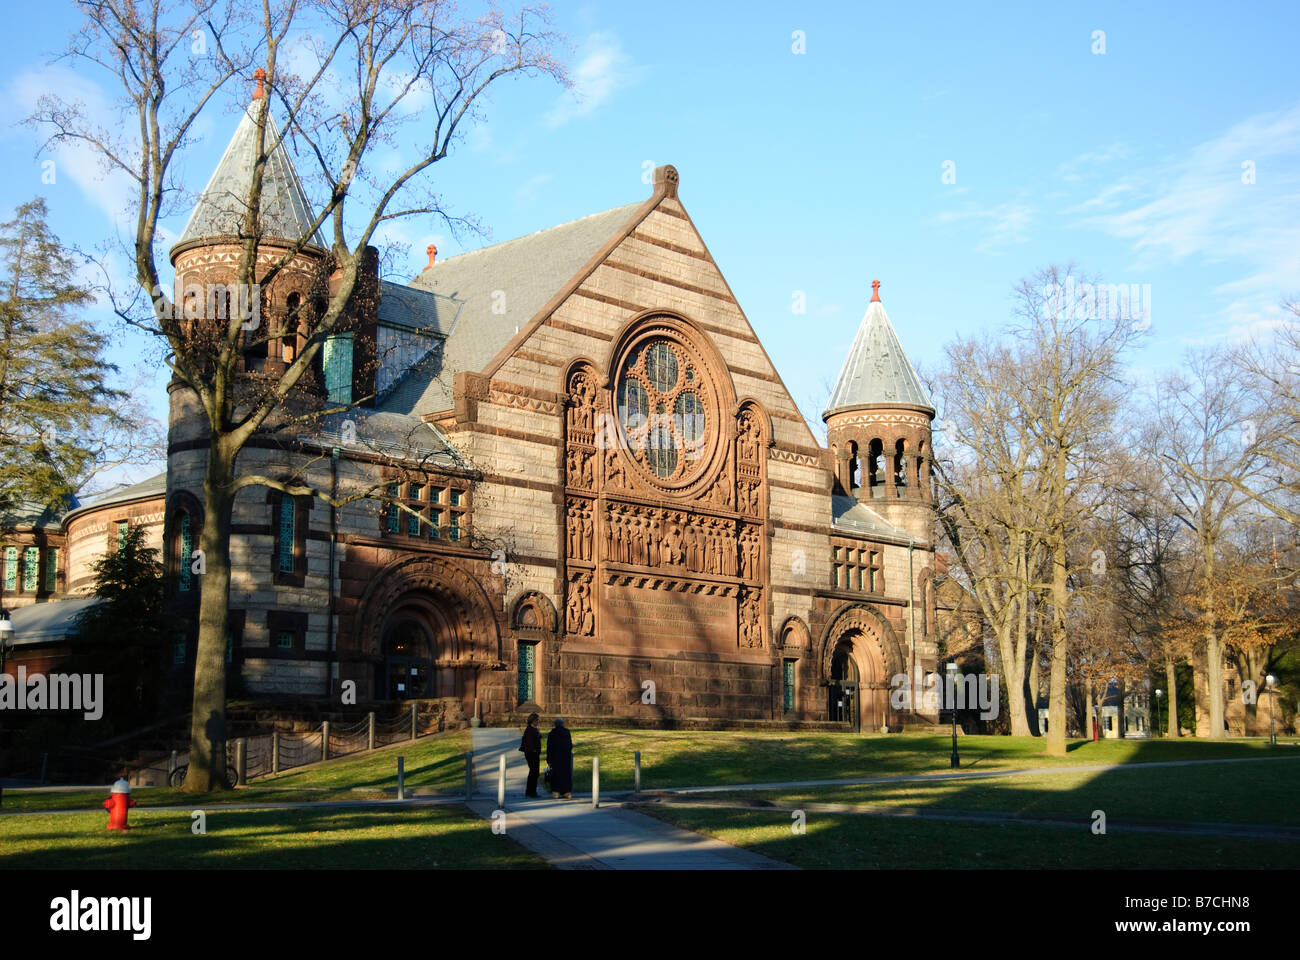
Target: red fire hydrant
{"type": "Point", "coordinates": [117, 804]}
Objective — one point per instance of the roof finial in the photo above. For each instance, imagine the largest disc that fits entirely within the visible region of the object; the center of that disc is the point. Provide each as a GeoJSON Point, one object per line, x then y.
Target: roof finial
{"type": "Point", "coordinates": [432, 251]}
{"type": "Point", "coordinates": [259, 75]}
{"type": "Point", "coordinates": [875, 291]}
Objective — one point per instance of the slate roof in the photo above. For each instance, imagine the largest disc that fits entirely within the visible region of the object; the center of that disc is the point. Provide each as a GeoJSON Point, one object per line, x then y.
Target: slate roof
{"type": "Point", "coordinates": [416, 309]}
{"type": "Point", "coordinates": [286, 213]}
{"type": "Point", "coordinates": [29, 515]}
{"type": "Point", "coordinates": [46, 622]}
{"type": "Point", "coordinates": [388, 434]}
{"type": "Point", "coordinates": [849, 515]}
{"type": "Point", "coordinates": [877, 369]}
{"type": "Point", "coordinates": [516, 278]}
{"type": "Point", "coordinates": [155, 486]}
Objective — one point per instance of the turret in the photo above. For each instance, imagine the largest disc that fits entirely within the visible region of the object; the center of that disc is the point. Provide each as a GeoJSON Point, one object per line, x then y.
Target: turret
{"type": "Point", "coordinates": [878, 422]}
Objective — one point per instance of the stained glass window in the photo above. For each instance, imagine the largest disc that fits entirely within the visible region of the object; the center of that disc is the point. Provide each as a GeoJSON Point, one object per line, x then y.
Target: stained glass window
{"type": "Point", "coordinates": [31, 568]}
{"type": "Point", "coordinates": [287, 532]}
{"type": "Point", "coordinates": [788, 684]}
{"type": "Point", "coordinates": [394, 524]}
{"type": "Point", "coordinates": [11, 568]}
{"type": "Point", "coordinates": [51, 569]}
{"type": "Point", "coordinates": [662, 404]}
{"type": "Point", "coordinates": [187, 553]}
{"type": "Point", "coordinates": [527, 672]}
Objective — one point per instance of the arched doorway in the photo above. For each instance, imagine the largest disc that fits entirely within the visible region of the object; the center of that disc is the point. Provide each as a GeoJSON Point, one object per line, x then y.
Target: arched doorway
{"type": "Point", "coordinates": [843, 688]}
{"type": "Point", "coordinates": [407, 670]}
{"type": "Point", "coordinates": [859, 645]}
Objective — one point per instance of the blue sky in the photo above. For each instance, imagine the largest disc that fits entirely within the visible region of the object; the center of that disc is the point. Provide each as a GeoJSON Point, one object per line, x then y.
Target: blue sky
{"type": "Point", "coordinates": [817, 172]}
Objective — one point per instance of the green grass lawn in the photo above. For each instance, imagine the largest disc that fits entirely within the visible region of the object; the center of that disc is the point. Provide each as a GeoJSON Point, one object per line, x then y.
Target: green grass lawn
{"type": "Point", "coordinates": [1254, 793]}
{"type": "Point", "coordinates": [425, 838]}
{"type": "Point", "coordinates": [433, 764]}
{"type": "Point", "coordinates": [681, 759]}
{"type": "Point", "coordinates": [838, 841]}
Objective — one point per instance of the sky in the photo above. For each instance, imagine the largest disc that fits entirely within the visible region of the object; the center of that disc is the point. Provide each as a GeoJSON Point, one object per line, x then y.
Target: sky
{"type": "Point", "coordinates": [947, 150]}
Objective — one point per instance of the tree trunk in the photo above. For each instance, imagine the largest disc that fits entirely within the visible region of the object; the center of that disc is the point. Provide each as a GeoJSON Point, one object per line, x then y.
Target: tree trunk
{"type": "Point", "coordinates": [1171, 681]}
{"type": "Point", "coordinates": [1214, 678]}
{"type": "Point", "coordinates": [1035, 683]}
{"type": "Point", "coordinates": [1091, 709]}
{"type": "Point", "coordinates": [1014, 667]}
{"type": "Point", "coordinates": [1056, 695]}
{"type": "Point", "coordinates": [207, 769]}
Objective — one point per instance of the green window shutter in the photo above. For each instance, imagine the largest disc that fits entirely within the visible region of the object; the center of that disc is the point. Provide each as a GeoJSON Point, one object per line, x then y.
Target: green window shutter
{"type": "Point", "coordinates": [51, 569]}
{"type": "Point", "coordinates": [11, 568]}
{"type": "Point", "coordinates": [336, 361]}
{"type": "Point", "coordinates": [31, 568]}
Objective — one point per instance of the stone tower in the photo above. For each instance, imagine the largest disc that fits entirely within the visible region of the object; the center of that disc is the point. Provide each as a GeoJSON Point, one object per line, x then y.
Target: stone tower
{"type": "Point", "coordinates": [878, 421]}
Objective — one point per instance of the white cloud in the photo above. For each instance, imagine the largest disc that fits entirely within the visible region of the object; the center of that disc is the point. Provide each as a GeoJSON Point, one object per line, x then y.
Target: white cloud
{"type": "Point", "coordinates": [1002, 224]}
{"type": "Point", "coordinates": [603, 70]}
{"type": "Point", "coordinates": [1198, 208]}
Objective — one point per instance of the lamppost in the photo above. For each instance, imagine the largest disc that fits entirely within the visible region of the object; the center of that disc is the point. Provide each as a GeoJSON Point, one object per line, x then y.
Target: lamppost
{"type": "Point", "coordinates": [1272, 709]}
{"type": "Point", "coordinates": [1159, 693]}
{"type": "Point", "coordinates": [952, 686]}
{"type": "Point", "coordinates": [6, 640]}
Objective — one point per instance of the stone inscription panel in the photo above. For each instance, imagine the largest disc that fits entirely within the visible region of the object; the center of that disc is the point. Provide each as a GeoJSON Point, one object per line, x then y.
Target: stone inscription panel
{"type": "Point", "coordinates": [667, 619]}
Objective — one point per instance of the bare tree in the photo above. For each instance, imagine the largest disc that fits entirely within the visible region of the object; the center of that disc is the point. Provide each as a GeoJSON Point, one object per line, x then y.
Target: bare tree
{"type": "Point", "coordinates": [1067, 381]}
{"type": "Point", "coordinates": [353, 82]}
{"type": "Point", "coordinates": [1208, 453]}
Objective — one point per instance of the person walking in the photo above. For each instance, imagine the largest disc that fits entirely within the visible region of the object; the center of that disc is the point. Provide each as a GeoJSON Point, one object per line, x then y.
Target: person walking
{"type": "Point", "coordinates": [531, 748]}
{"type": "Point", "coordinates": [559, 757]}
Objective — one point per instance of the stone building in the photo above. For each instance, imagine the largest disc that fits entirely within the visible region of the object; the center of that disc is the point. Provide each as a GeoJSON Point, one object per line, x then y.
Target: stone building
{"type": "Point", "coordinates": [618, 510]}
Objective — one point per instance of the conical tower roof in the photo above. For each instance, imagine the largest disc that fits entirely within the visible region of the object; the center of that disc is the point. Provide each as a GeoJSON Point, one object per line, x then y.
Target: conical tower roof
{"type": "Point", "coordinates": [285, 214]}
{"type": "Point", "coordinates": [876, 370]}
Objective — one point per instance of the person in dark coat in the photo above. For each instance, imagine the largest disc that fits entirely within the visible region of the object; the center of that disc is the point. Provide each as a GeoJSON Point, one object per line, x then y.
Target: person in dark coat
{"type": "Point", "coordinates": [531, 747]}
{"type": "Point", "coordinates": [559, 757]}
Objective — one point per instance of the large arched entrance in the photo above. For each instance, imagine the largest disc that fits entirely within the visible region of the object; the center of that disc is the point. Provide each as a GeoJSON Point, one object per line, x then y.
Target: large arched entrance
{"type": "Point", "coordinates": [859, 656]}
{"type": "Point", "coordinates": [428, 629]}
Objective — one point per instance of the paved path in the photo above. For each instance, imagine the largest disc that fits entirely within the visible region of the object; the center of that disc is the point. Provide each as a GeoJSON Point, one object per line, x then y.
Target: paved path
{"type": "Point", "coordinates": [574, 835]}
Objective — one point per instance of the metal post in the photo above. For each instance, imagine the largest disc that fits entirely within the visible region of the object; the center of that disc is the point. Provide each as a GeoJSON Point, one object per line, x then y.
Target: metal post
{"type": "Point", "coordinates": [469, 776]}
{"type": "Point", "coordinates": [241, 762]}
{"type": "Point", "coordinates": [636, 771]}
{"type": "Point", "coordinates": [414, 708]}
{"type": "Point", "coordinates": [401, 778]}
{"type": "Point", "coordinates": [370, 740]}
{"type": "Point", "coordinates": [275, 751]}
{"type": "Point", "coordinates": [595, 781]}
{"type": "Point", "coordinates": [325, 740]}
{"type": "Point", "coordinates": [501, 782]}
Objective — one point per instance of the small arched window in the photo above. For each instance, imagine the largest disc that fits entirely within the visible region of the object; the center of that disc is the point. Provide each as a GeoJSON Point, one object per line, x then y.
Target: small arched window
{"type": "Point", "coordinates": [289, 327]}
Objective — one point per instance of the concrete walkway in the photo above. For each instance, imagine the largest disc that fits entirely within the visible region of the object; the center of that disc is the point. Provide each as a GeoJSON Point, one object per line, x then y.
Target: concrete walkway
{"type": "Point", "coordinates": [574, 835]}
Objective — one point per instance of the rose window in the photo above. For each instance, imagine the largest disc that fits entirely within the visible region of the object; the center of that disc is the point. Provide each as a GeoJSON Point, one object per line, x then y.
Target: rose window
{"type": "Point", "coordinates": [662, 403]}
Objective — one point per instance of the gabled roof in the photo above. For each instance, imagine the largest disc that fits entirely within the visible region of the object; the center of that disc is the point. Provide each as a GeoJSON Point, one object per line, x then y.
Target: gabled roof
{"type": "Point", "coordinates": [499, 288]}
{"type": "Point", "coordinates": [285, 214]}
{"type": "Point", "coordinates": [876, 369]}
